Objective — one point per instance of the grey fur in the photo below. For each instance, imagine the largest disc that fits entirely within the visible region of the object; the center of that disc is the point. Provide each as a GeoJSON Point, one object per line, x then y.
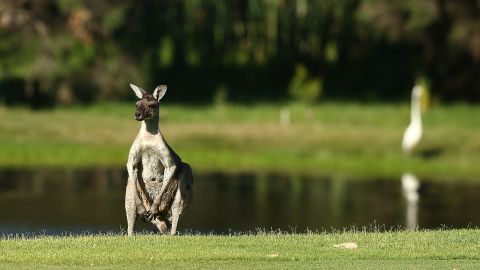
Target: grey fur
{"type": "Point", "coordinates": [158, 180]}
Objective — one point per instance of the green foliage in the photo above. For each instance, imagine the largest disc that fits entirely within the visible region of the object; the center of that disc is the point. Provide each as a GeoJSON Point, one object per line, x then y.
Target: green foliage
{"type": "Point", "coordinates": [69, 5]}
{"type": "Point", "coordinates": [331, 53]}
{"type": "Point", "coordinates": [114, 17]}
{"type": "Point", "coordinates": [165, 52]}
{"type": "Point", "coordinates": [97, 47]}
{"type": "Point", "coordinates": [303, 87]}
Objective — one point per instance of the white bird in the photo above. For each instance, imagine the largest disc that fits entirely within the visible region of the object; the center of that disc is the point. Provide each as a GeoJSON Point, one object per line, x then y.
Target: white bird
{"type": "Point", "coordinates": [413, 133]}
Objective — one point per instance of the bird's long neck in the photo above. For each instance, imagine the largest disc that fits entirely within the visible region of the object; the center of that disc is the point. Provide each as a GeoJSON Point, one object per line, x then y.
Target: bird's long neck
{"type": "Point", "coordinates": [150, 126]}
{"type": "Point", "coordinates": [416, 114]}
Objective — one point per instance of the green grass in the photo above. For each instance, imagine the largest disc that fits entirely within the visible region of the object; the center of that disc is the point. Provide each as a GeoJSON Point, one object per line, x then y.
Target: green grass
{"type": "Point", "coordinates": [333, 138]}
{"type": "Point", "coordinates": [448, 249]}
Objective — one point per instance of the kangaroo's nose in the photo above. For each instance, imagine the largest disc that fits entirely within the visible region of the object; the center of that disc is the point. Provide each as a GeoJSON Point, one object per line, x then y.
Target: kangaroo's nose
{"type": "Point", "coordinates": [137, 114]}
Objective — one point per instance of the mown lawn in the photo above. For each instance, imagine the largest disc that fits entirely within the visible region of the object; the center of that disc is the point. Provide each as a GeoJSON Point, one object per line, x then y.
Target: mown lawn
{"type": "Point", "coordinates": [333, 138]}
{"type": "Point", "coordinates": [447, 249]}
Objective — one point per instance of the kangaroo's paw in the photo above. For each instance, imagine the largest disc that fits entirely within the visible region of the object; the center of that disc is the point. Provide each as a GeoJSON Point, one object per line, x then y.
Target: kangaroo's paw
{"type": "Point", "coordinates": [154, 210]}
{"type": "Point", "coordinates": [143, 215]}
{"type": "Point", "coordinates": [151, 216]}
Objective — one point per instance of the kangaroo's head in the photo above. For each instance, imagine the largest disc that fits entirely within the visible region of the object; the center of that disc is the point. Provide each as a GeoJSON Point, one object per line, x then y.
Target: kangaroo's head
{"type": "Point", "coordinates": [148, 104]}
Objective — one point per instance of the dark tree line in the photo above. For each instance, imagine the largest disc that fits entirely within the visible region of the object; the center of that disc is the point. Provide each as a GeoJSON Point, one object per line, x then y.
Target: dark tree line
{"type": "Point", "coordinates": [68, 51]}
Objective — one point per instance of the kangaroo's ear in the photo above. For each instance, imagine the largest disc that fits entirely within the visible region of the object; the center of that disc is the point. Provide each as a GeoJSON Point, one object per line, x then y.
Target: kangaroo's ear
{"type": "Point", "coordinates": [139, 92]}
{"type": "Point", "coordinates": [159, 92]}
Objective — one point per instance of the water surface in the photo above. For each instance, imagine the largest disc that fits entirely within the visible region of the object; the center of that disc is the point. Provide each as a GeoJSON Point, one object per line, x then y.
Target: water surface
{"type": "Point", "coordinates": [58, 201]}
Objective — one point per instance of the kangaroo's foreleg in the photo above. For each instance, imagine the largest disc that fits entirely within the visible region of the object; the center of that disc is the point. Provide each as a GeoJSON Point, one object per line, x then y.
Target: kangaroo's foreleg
{"type": "Point", "coordinates": [167, 178]}
{"type": "Point", "coordinates": [141, 202]}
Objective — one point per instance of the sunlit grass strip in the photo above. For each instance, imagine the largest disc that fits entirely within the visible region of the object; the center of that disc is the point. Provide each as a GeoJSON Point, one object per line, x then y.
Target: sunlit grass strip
{"type": "Point", "coordinates": [347, 139]}
{"type": "Point", "coordinates": [388, 250]}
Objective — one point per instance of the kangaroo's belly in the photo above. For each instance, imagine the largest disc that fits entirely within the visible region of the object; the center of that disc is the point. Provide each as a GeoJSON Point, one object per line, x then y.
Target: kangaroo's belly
{"type": "Point", "coordinates": [152, 173]}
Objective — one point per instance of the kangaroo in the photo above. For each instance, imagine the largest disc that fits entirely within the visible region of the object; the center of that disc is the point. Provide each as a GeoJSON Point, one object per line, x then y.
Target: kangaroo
{"type": "Point", "coordinates": [160, 185]}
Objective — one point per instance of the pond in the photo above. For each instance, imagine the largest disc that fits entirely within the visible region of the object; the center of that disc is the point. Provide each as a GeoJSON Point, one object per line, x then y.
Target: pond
{"type": "Point", "coordinates": [56, 201]}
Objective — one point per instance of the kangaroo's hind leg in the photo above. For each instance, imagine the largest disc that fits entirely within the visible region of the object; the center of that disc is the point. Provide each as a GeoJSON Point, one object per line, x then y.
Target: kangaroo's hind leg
{"type": "Point", "coordinates": [182, 196]}
{"type": "Point", "coordinates": [176, 212]}
{"type": "Point", "coordinates": [130, 206]}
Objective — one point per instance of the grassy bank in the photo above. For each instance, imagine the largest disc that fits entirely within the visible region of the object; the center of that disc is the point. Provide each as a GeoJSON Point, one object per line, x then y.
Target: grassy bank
{"type": "Point", "coordinates": [455, 249]}
{"type": "Point", "coordinates": [332, 138]}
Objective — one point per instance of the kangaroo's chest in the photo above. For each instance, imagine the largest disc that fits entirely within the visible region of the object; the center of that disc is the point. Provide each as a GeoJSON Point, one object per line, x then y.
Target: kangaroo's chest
{"type": "Point", "coordinates": [152, 170]}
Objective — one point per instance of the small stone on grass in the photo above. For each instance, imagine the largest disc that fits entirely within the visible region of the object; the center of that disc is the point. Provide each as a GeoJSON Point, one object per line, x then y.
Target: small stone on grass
{"type": "Point", "coordinates": [346, 245]}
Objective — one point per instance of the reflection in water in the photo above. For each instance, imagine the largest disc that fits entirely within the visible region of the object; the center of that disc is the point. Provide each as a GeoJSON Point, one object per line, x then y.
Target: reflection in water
{"type": "Point", "coordinates": [75, 201]}
{"type": "Point", "coordinates": [410, 186]}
